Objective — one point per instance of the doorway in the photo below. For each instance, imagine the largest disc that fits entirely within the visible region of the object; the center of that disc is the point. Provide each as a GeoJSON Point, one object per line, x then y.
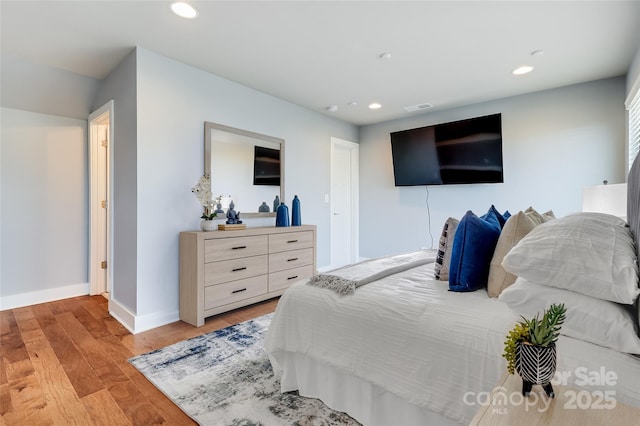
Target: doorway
{"type": "Point", "coordinates": [344, 202]}
{"type": "Point", "coordinates": [100, 149]}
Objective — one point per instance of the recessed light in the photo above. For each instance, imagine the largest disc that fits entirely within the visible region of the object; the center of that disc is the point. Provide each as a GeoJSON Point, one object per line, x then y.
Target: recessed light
{"type": "Point", "coordinates": [353, 103]}
{"type": "Point", "coordinates": [184, 9]}
{"type": "Point", "coordinates": [538, 52]}
{"type": "Point", "coordinates": [332, 108]}
{"type": "Point", "coordinates": [375, 105]}
{"type": "Point", "coordinates": [385, 56]}
{"type": "Point", "coordinates": [524, 69]}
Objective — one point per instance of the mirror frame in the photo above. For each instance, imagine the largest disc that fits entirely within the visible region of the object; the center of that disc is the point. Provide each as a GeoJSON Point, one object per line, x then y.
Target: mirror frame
{"type": "Point", "coordinates": [209, 126]}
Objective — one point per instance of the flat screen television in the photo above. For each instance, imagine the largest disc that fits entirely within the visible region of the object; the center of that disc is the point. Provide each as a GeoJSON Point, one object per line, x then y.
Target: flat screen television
{"type": "Point", "coordinates": [266, 166]}
{"type": "Point", "coordinates": [459, 152]}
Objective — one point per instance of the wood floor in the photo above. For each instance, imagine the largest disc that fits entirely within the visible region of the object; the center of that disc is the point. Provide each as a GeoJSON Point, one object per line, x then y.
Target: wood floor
{"type": "Point", "coordinates": [65, 363]}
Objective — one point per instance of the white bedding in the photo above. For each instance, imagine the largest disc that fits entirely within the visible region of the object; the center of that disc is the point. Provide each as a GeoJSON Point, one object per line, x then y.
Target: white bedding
{"type": "Point", "coordinates": [408, 335]}
{"type": "Point", "coordinates": [390, 333]}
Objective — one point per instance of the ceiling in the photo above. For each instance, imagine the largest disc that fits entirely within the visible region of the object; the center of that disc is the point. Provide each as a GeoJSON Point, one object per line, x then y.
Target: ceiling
{"type": "Point", "coordinates": [322, 53]}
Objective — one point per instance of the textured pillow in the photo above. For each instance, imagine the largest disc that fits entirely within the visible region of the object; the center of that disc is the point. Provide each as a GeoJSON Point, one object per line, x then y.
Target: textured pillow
{"type": "Point", "coordinates": [516, 227]}
{"type": "Point", "coordinates": [592, 320]}
{"type": "Point", "coordinates": [582, 253]}
{"type": "Point", "coordinates": [473, 247]}
{"type": "Point", "coordinates": [443, 259]}
{"type": "Point", "coordinates": [537, 217]}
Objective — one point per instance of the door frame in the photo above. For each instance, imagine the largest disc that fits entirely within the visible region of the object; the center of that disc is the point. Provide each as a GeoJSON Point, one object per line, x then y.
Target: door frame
{"type": "Point", "coordinates": [355, 187]}
{"type": "Point", "coordinates": [98, 236]}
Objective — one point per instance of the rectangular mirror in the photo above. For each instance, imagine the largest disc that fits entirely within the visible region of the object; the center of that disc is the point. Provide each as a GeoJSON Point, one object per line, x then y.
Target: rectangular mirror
{"type": "Point", "coordinates": [246, 166]}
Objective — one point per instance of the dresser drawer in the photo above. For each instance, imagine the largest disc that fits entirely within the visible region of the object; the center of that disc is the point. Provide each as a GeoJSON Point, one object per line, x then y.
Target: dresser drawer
{"type": "Point", "coordinates": [283, 279]}
{"type": "Point", "coordinates": [290, 241]}
{"type": "Point", "coordinates": [290, 259]}
{"type": "Point", "coordinates": [235, 269]}
{"type": "Point", "coordinates": [233, 248]}
{"type": "Point", "coordinates": [234, 291]}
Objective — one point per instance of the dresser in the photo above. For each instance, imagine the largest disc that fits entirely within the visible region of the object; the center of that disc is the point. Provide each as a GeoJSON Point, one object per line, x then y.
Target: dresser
{"type": "Point", "coordinates": [225, 270]}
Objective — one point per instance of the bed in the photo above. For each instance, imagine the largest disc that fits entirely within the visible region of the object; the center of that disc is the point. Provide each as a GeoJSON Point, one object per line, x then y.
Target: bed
{"type": "Point", "coordinates": [404, 350]}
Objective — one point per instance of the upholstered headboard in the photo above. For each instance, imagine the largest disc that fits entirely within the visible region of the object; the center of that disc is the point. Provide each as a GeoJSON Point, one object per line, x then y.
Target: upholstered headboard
{"type": "Point", "coordinates": [633, 200]}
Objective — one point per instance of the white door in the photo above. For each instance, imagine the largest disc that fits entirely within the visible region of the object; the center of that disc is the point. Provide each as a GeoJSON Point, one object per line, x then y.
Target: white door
{"type": "Point", "coordinates": [344, 202]}
{"type": "Point", "coordinates": [100, 130]}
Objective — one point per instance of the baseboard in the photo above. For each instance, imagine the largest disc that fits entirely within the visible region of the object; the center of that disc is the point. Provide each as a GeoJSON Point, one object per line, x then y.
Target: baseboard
{"type": "Point", "coordinates": [139, 323]}
{"type": "Point", "coordinates": [42, 296]}
{"type": "Point", "coordinates": [122, 315]}
{"type": "Point", "coordinates": [147, 322]}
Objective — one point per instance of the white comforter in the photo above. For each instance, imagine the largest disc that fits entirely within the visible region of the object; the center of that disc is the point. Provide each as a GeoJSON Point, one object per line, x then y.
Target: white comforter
{"type": "Point", "coordinates": [406, 333]}
{"type": "Point", "coordinates": [411, 336]}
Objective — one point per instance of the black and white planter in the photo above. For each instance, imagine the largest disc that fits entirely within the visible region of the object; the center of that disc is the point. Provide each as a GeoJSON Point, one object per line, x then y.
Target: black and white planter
{"type": "Point", "coordinates": [536, 365]}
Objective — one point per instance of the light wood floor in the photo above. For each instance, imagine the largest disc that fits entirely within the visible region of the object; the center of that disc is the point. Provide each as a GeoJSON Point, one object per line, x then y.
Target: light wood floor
{"type": "Point", "coordinates": [65, 363]}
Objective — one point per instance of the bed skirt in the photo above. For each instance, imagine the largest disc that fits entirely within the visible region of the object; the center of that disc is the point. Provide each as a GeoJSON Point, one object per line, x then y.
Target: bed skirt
{"type": "Point", "coordinates": [367, 403]}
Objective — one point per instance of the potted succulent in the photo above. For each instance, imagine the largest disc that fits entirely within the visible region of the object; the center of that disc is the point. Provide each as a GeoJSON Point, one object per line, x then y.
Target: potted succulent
{"type": "Point", "coordinates": [530, 348]}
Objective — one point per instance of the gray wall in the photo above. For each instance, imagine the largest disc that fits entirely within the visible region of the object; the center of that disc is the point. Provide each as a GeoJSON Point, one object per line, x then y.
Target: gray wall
{"type": "Point", "coordinates": [120, 86]}
{"type": "Point", "coordinates": [44, 207]}
{"type": "Point", "coordinates": [554, 143]}
{"type": "Point", "coordinates": [633, 75]}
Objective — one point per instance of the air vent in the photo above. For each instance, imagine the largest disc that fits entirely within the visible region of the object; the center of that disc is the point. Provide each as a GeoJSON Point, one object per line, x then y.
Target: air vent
{"type": "Point", "coordinates": [418, 107]}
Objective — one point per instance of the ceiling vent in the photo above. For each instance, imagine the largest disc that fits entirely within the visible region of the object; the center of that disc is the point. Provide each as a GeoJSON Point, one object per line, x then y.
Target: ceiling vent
{"type": "Point", "coordinates": [418, 107]}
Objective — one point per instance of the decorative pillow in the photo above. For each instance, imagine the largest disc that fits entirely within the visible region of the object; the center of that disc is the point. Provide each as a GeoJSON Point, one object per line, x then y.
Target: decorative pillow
{"type": "Point", "coordinates": [537, 217]}
{"type": "Point", "coordinates": [582, 253]}
{"type": "Point", "coordinates": [516, 227]}
{"type": "Point", "coordinates": [473, 247]}
{"type": "Point", "coordinates": [592, 320]}
{"type": "Point", "coordinates": [502, 218]}
{"type": "Point", "coordinates": [443, 259]}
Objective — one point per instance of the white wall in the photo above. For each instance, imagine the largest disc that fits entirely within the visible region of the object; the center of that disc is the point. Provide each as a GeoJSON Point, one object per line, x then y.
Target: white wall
{"type": "Point", "coordinates": [173, 101]}
{"type": "Point", "coordinates": [44, 208]}
{"type": "Point", "coordinates": [554, 143]}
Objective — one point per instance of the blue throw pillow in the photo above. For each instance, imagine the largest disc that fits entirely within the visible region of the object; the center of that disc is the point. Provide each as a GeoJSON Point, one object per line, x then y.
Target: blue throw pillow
{"type": "Point", "coordinates": [473, 247]}
{"type": "Point", "coordinates": [501, 218]}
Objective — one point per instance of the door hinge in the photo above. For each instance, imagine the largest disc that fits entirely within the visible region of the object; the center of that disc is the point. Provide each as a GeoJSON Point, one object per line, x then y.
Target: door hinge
{"type": "Point", "coordinates": [104, 143]}
{"type": "Point", "coordinates": [103, 264]}
{"type": "Point", "coordinates": [103, 204]}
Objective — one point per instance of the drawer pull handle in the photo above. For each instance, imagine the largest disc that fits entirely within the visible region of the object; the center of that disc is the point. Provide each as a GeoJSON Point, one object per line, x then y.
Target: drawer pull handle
{"type": "Point", "coordinates": [239, 269]}
{"type": "Point", "coordinates": [238, 248]}
{"type": "Point", "coordinates": [292, 278]}
{"type": "Point", "coordinates": [238, 291]}
{"type": "Point", "coordinates": [291, 260]}
{"type": "Point", "coordinates": [292, 241]}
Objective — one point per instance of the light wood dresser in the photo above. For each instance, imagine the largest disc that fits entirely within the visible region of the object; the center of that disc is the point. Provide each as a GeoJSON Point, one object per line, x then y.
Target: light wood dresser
{"type": "Point", "coordinates": [225, 270]}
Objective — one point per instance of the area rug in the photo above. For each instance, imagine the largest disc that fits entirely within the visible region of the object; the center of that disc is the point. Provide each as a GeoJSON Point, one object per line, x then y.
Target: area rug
{"type": "Point", "coordinates": [225, 378]}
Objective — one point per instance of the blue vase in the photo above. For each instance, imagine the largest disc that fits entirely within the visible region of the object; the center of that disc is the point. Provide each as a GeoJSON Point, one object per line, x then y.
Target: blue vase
{"type": "Point", "coordinates": [296, 220]}
{"type": "Point", "coordinates": [276, 203]}
{"type": "Point", "coordinates": [282, 215]}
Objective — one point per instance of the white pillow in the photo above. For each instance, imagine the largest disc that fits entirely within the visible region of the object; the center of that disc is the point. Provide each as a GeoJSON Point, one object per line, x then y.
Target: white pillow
{"type": "Point", "coordinates": [585, 252]}
{"type": "Point", "coordinates": [592, 320]}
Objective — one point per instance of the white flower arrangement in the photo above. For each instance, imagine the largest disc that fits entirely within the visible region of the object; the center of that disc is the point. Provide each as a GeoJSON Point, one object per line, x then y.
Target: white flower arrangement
{"type": "Point", "coordinates": [202, 191]}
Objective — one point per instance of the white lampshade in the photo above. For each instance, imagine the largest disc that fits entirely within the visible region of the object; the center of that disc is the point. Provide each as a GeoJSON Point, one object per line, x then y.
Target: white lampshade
{"type": "Point", "coordinates": [611, 199]}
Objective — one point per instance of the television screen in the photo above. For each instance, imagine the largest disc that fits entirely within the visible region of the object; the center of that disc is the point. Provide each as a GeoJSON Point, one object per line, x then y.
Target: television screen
{"type": "Point", "coordinates": [466, 151]}
{"type": "Point", "coordinates": [266, 166]}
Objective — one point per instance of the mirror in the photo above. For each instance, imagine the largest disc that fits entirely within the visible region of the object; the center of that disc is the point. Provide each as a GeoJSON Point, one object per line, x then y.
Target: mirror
{"type": "Point", "coordinates": [244, 166]}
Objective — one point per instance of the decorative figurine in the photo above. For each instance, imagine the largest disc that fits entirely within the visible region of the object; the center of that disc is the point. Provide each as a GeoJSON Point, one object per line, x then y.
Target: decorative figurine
{"type": "Point", "coordinates": [276, 203]}
{"type": "Point", "coordinates": [219, 208]}
{"type": "Point", "coordinates": [233, 217]}
{"type": "Point", "coordinates": [264, 208]}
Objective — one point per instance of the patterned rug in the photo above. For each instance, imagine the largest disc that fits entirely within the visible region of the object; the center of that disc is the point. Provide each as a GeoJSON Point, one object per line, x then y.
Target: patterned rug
{"type": "Point", "coordinates": [225, 378]}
